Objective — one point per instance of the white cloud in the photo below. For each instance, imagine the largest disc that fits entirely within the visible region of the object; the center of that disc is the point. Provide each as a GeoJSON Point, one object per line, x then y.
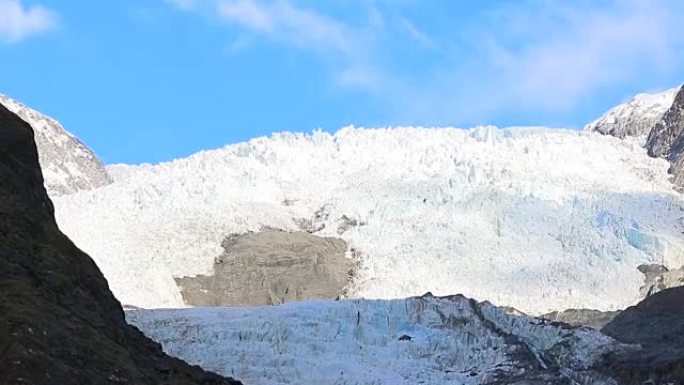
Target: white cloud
{"type": "Point", "coordinates": [18, 22]}
{"type": "Point", "coordinates": [572, 51]}
{"type": "Point", "coordinates": [361, 76]}
{"type": "Point", "coordinates": [534, 55]}
{"type": "Point", "coordinates": [344, 47]}
{"type": "Point", "coordinates": [282, 21]}
{"type": "Point", "coordinates": [547, 57]}
{"type": "Point", "coordinates": [416, 34]}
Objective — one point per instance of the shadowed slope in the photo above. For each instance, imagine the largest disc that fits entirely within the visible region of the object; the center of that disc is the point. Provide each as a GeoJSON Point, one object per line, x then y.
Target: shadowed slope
{"type": "Point", "coordinates": [657, 325]}
{"type": "Point", "coordinates": [59, 323]}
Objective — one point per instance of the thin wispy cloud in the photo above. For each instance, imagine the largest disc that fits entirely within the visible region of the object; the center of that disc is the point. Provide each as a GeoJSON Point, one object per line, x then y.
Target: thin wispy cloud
{"type": "Point", "coordinates": [544, 57]}
{"type": "Point", "coordinates": [345, 48]}
{"type": "Point", "coordinates": [534, 55]}
{"type": "Point", "coordinates": [571, 51]}
{"type": "Point", "coordinates": [281, 21]}
{"type": "Point", "coordinates": [416, 34]}
{"type": "Point", "coordinates": [18, 22]}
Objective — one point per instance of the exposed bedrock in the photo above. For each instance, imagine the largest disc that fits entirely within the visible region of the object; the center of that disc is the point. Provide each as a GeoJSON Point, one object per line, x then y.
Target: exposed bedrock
{"type": "Point", "coordinates": [658, 278]}
{"type": "Point", "coordinates": [272, 267]}
{"type": "Point", "coordinates": [595, 319]}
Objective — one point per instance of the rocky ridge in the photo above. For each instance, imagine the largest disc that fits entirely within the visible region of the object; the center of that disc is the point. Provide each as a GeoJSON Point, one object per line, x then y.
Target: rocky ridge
{"type": "Point", "coordinates": [658, 117]}
{"type": "Point", "coordinates": [68, 165]}
{"type": "Point", "coordinates": [636, 117]}
{"type": "Point", "coordinates": [666, 139]}
{"type": "Point", "coordinates": [594, 319]}
{"type": "Point", "coordinates": [59, 323]}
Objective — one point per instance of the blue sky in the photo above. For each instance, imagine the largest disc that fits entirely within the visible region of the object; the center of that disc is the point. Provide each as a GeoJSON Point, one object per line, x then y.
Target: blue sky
{"type": "Point", "coordinates": [153, 80]}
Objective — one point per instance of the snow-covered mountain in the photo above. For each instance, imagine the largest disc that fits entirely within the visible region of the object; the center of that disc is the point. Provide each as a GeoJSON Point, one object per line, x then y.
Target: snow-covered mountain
{"type": "Point", "coordinates": [424, 340]}
{"type": "Point", "coordinates": [533, 218]}
{"type": "Point", "coordinates": [68, 164]}
{"type": "Point", "coordinates": [636, 117]}
{"type": "Point", "coordinates": [656, 118]}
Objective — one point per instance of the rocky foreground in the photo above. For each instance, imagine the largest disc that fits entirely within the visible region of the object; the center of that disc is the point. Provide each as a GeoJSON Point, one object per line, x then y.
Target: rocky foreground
{"type": "Point", "coordinates": [59, 323]}
{"type": "Point", "coordinates": [656, 326]}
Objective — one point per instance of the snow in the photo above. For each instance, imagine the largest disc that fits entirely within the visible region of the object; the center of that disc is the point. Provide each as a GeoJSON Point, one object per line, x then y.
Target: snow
{"type": "Point", "coordinates": [67, 164]}
{"type": "Point", "coordinates": [636, 117]}
{"type": "Point", "coordinates": [533, 218]}
{"type": "Point", "coordinates": [450, 340]}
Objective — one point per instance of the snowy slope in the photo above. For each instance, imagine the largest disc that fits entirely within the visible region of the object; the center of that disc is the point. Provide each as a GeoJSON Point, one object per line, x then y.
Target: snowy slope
{"type": "Point", "coordinates": [68, 165]}
{"type": "Point", "coordinates": [424, 340]}
{"type": "Point", "coordinates": [533, 218]}
{"type": "Point", "coordinates": [636, 117]}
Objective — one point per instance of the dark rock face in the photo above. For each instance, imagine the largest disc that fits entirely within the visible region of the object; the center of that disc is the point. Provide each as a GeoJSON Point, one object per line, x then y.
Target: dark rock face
{"type": "Point", "coordinates": [657, 325]}
{"type": "Point", "coordinates": [666, 139]}
{"type": "Point", "coordinates": [594, 319]}
{"type": "Point", "coordinates": [59, 323]}
{"type": "Point", "coordinates": [272, 267]}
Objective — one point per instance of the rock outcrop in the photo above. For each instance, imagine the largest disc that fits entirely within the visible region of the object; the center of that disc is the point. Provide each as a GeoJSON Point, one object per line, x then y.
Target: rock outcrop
{"type": "Point", "coordinates": [272, 267]}
{"type": "Point", "coordinates": [68, 164]}
{"type": "Point", "coordinates": [595, 319]}
{"type": "Point", "coordinates": [658, 278]}
{"type": "Point", "coordinates": [59, 323]}
{"type": "Point", "coordinates": [656, 326]}
{"type": "Point", "coordinates": [666, 139]}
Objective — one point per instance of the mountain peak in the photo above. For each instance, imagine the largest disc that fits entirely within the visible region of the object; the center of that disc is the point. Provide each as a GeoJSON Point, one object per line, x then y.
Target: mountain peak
{"type": "Point", "coordinates": [68, 165]}
{"type": "Point", "coordinates": [636, 117]}
{"type": "Point", "coordinates": [60, 323]}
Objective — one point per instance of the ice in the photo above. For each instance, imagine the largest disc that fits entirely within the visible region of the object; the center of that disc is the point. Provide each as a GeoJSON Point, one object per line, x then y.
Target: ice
{"type": "Point", "coordinates": [364, 342]}
{"type": "Point", "coordinates": [534, 218]}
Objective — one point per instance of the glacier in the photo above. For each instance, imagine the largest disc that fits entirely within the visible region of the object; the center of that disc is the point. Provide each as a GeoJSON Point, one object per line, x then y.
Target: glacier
{"type": "Point", "coordinates": [535, 218]}
{"type": "Point", "coordinates": [425, 340]}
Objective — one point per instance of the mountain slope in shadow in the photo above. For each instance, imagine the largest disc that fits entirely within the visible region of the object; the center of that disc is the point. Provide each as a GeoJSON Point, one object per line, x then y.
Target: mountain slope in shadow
{"type": "Point", "coordinates": [59, 322]}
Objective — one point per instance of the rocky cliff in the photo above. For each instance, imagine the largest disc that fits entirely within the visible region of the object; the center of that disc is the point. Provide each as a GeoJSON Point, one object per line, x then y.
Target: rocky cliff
{"type": "Point", "coordinates": [59, 323]}
{"type": "Point", "coordinates": [68, 164]}
{"type": "Point", "coordinates": [666, 139]}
